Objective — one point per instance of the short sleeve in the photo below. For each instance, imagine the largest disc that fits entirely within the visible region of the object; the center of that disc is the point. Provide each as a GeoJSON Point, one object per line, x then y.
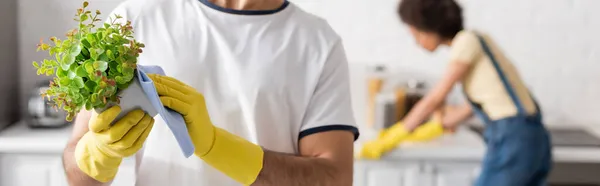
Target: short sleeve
{"type": "Point", "coordinates": [465, 48]}
{"type": "Point", "coordinates": [330, 106]}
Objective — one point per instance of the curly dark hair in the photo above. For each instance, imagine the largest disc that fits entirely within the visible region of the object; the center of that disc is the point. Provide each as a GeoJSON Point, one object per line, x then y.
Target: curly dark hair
{"type": "Point", "coordinates": [443, 17]}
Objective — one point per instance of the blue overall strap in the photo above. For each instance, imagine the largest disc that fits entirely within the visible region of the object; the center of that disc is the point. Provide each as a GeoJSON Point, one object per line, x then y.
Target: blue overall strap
{"type": "Point", "coordinates": [502, 76]}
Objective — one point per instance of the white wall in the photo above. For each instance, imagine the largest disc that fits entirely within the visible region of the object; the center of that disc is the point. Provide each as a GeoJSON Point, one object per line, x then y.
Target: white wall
{"type": "Point", "coordinates": [551, 41]}
{"type": "Point", "coordinates": [554, 43]}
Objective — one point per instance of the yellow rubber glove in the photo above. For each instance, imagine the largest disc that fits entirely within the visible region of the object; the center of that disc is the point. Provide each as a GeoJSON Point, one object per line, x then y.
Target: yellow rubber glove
{"type": "Point", "coordinates": [388, 140]}
{"type": "Point", "coordinates": [100, 151]}
{"type": "Point", "coordinates": [426, 132]}
{"type": "Point", "coordinates": [234, 156]}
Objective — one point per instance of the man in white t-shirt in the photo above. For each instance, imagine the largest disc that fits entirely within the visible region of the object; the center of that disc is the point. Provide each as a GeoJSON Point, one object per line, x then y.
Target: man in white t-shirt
{"type": "Point", "coordinates": [268, 80]}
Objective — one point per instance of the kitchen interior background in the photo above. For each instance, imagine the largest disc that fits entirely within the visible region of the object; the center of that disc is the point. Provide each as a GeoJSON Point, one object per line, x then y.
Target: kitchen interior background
{"type": "Point", "coordinates": [554, 43]}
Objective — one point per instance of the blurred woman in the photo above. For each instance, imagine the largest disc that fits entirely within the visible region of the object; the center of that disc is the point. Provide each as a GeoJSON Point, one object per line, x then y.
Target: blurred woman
{"type": "Point", "coordinates": [518, 145]}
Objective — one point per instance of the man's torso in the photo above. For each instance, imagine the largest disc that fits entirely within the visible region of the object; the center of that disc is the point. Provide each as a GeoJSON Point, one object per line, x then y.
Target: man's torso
{"type": "Point", "coordinates": [257, 73]}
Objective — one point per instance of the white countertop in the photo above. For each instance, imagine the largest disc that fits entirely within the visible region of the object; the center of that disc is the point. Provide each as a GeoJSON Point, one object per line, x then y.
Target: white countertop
{"type": "Point", "coordinates": [466, 145]}
{"type": "Point", "coordinates": [19, 138]}
{"type": "Point", "coordinates": [462, 145]}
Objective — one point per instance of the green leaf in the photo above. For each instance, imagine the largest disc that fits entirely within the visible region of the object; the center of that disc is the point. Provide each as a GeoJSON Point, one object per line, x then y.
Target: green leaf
{"type": "Point", "coordinates": [120, 80]}
{"type": "Point", "coordinates": [71, 74]}
{"type": "Point", "coordinates": [96, 99]}
{"type": "Point", "coordinates": [81, 71]}
{"type": "Point", "coordinates": [111, 90]}
{"type": "Point", "coordinates": [86, 43]}
{"type": "Point", "coordinates": [101, 105]}
{"type": "Point", "coordinates": [93, 54]}
{"type": "Point", "coordinates": [36, 65]}
{"type": "Point", "coordinates": [100, 65]}
{"type": "Point", "coordinates": [64, 82]}
{"type": "Point", "coordinates": [106, 25]}
{"type": "Point", "coordinates": [119, 39]}
{"type": "Point", "coordinates": [129, 78]}
{"type": "Point", "coordinates": [49, 72]}
{"type": "Point", "coordinates": [91, 38]}
{"type": "Point", "coordinates": [99, 35]}
{"type": "Point", "coordinates": [74, 67]}
{"type": "Point", "coordinates": [128, 70]}
{"type": "Point", "coordinates": [78, 82]}
{"type": "Point", "coordinates": [75, 49]}
{"type": "Point", "coordinates": [85, 52]}
{"type": "Point", "coordinates": [89, 67]}
{"type": "Point", "coordinates": [67, 61]}
{"type": "Point", "coordinates": [93, 98]}
{"type": "Point", "coordinates": [112, 65]}
{"type": "Point", "coordinates": [60, 73]}
{"type": "Point", "coordinates": [84, 92]}
{"type": "Point", "coordinates": [103, 57]}
{"type": "Point", "coordinates": [99, 51]}
{"type": "Point", "coordinates": [83, 17]}
{"type": "Point", "coordinates": [90, 85]}
{"type": "Point", "coordinates": [122, 86]}
{"type": "Point", "coordinates": [109, 53]}
{"type": "Point", "coordinates": [119, 68]}
{"type": "Point", "coordinates": [88, 106]}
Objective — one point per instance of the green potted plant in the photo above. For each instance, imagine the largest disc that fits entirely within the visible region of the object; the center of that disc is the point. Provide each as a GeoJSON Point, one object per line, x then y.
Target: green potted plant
{"type": "Point", "coordinates": [94, 67]}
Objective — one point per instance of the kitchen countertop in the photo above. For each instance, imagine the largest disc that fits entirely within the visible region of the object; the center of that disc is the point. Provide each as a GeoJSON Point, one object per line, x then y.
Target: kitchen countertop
{"type": "Point", "coordinates": [19, 138]}
{"type": "Point", "coordinates": [463, 145]}
{"type": "Point", "coordinates": [466, 145]}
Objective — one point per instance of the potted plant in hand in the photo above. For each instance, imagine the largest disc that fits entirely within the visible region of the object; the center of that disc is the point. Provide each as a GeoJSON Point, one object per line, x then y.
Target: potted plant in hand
{"type": "Point", "coordinates": [94, 67]}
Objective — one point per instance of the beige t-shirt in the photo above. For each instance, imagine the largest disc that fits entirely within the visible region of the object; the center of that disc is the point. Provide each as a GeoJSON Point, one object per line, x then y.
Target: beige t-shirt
{"type": "Point", "coordinates": [482, 84]}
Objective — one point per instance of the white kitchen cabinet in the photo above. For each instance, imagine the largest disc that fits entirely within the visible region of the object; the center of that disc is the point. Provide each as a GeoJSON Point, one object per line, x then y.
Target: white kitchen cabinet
{"type": "Point", "coordinates": [47, 170]}
{"type": "Point", "coordinates": [419, 177]}
{"type": "Point", "coordinates": [398, 173]}
{"type": "Point", "coordinates": [392, 177]}
{"type": "Point", "coordinates": [25, 170]}
{"type": "Point", "coordinates": [415, 173]}
{"type": "Point", "coordinates": [454, 173]}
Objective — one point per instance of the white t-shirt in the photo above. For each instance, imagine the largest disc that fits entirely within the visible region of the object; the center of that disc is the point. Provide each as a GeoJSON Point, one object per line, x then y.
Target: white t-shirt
{"type": "Point", "coordinates": [271, 77]}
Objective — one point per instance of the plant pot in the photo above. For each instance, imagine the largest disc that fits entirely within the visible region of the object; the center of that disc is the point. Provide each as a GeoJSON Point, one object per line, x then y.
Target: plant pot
{"type": "Point", "coordinates": [131, 98]}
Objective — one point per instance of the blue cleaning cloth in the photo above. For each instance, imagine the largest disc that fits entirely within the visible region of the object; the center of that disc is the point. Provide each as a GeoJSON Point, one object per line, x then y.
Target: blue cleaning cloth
{"type": "Point", "coordinates": [173, 119]}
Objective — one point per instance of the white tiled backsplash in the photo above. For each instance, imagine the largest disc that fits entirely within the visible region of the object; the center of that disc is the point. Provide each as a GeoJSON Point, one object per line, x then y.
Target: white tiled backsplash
{"type": "Point", "coordinates": [554, 43]}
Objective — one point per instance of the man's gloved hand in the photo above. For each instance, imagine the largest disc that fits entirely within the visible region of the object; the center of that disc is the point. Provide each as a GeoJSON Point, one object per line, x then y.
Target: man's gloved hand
{"type": "Point", "coordinates": [426, 132]}
{"type": "Point", "coordinates": [231, 154]}
{"type": "Point", "coordinates": [388, 140]}
{"type": "Point", "coordinates": [100, 151]}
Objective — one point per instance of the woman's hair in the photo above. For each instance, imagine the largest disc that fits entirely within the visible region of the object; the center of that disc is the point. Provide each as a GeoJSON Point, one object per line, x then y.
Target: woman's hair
{"type": "Point", "coordinates": [443, 17]}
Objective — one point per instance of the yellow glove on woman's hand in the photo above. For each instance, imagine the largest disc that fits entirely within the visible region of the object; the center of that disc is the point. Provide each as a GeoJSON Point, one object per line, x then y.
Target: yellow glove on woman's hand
{"type": "Point", "coordinates": [100, 151]}
{"type": "Point", "coordinates": [388, 140]}
{"type": "Point", "coordinates": [231, 154]}
{"type": "Point", "coordinates": [428, 131]}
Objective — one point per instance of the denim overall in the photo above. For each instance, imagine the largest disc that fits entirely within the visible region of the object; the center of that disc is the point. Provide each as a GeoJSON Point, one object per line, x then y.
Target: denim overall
{"type": "Point", "coordinates": [519, 152]}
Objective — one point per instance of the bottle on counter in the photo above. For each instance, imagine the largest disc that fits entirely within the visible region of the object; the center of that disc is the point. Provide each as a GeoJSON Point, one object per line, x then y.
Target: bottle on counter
{"type": "Point", "coordinates": [386, 110]}
{"type": "Point", "coordinates": [375, 81]}
{"type": "Point", "coordinates": [415, 91]}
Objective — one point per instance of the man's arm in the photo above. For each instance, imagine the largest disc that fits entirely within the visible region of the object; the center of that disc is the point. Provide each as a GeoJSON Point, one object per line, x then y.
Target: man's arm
{"type": "Point", "coordinates": [326, 158]}
{"type": "Point", "coordinates": [74, 175]}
